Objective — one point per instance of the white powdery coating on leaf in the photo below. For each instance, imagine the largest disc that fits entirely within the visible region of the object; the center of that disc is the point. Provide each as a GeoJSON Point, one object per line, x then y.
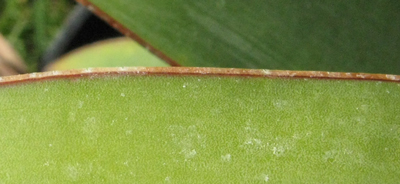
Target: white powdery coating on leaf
{"type": "Point", "coordinates": [32, 75]}
{"type": "Point", "coordinates": [46, 164]}
{"type": "Point", "coordinates": [278, 151]}
{"type": "Point", "coordinates": [226, 157]}
{"type": "Point", "coordinates": [189, 153]}
{"type": "Point", "coordinates": [334, 74]}
{"type": "Point", "coordinates": [391, 77]}
{"type": "Point", "coordinates": [56, 72]}
{"type": "Point", "coordinates": [267, 72]}
{"type": "Point", "coordinates": [80, 104]}
{"type": "Point", "coordinates": [88, 70]}
{"type": "Point", "coordinates": [360, 75]}
{"type": "Point", "coordinates": [266, 178]}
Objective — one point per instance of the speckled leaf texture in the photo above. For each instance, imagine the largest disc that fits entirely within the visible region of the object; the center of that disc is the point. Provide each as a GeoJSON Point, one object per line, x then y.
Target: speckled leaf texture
{"type": "Point", "coordinates": [199, 129]}
{"type": "Point", "coordinates": [346, 36]}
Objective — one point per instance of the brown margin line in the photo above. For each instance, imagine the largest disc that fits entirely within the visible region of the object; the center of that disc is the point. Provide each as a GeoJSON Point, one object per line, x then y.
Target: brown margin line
{"type": "Point", "coordinates": [124, 30]}
{"type": "Point", "coordinates": [194, 71]}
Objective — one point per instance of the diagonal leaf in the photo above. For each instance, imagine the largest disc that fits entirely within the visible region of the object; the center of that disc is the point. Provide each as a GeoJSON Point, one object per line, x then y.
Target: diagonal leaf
{"type": "Point", "coordinates": [193, 125]}
{"type": "Point", "coordinates": [299, 35]}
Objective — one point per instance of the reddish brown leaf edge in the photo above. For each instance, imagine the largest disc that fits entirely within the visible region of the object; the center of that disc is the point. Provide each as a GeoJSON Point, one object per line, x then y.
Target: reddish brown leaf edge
{"type": "Point", "coordinates": [195, 71]}
{"type": "Point", "coordinates": [124, 30]}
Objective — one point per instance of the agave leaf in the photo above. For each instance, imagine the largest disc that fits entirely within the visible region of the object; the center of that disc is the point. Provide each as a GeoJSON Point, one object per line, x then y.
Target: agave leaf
{"type": "Point", "coordinates": [116, 52]}
{"type": "Point", "coordinates": [294, 35]}
{"type": "Point", "coordinates": [193, 125]}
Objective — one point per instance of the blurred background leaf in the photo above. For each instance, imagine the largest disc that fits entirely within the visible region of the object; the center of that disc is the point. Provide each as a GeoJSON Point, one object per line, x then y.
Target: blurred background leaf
{"type": "Point", "coordinates": [30, 25]}
{"type": "Point", "coordinates": [10, 62]}
{"type": "Point", "coordinates": [116, 52]}
{"type": "Point", "coordinates": [349, 36]}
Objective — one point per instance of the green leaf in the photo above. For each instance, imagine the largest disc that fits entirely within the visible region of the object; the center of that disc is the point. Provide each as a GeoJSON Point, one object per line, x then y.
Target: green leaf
{"type": "Point", "coordinates": [117, 52]}
{"type": "Point", "coordinates": [294, 35]}
{"type": "Point", "coordinates": [187, 126]}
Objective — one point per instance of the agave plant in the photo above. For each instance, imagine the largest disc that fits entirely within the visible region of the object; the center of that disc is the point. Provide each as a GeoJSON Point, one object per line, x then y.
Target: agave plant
{"type": "Point", "coordinates": [215, 125]}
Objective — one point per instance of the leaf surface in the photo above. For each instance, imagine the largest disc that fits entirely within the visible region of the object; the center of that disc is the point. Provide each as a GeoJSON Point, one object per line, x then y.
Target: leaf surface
{"type": "Point", "coordinates": [291, 35]}
{"type": "Point", "coordinates": [195, 128]}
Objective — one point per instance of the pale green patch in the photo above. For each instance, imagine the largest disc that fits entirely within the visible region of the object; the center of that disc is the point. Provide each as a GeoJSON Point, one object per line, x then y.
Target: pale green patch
{"type": "Point", "coordinates": [119, 52]}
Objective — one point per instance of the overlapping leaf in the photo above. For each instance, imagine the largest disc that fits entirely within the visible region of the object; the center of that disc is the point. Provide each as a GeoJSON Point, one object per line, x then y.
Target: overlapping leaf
{"type": "Point", "coordinates": [296, 35]}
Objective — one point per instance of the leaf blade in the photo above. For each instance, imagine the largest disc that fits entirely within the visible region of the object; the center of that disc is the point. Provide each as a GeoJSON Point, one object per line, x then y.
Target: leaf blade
{"type": "Point", "coordinates": [198, 128]}
{"type": "Point", "coordinates": [297, 36]}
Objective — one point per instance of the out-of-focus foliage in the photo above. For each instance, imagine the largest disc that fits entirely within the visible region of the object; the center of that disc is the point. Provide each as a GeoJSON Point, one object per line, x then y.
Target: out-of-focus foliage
{"type": "Point", "coordinates": [30, 25]}
{"type": "Point", "coordinates": [117, 52]}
